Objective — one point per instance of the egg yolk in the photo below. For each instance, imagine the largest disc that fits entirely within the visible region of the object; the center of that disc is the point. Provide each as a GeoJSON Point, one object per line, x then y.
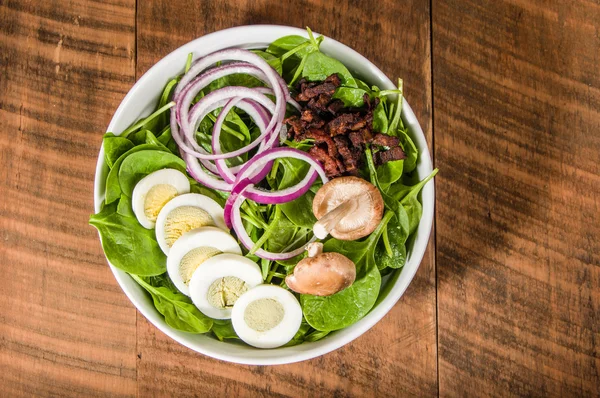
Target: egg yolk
{"type": "Point", "coordinates": [184, 219]}
{"type": "Point", "coordinates": [224, 292]}
{"type": "Point", "coordinates": [193, 259]}
{"type": "Point", "coordinates": [264, 314]}
{"type": "Point", "coordinates": [156, 198]}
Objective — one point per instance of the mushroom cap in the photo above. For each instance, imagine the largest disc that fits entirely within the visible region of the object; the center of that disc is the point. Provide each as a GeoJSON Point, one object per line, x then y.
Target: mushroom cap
{"type": "Point", "coordinates": [358, 223]}
{"type": "Point", "coordinates": [322, 275]}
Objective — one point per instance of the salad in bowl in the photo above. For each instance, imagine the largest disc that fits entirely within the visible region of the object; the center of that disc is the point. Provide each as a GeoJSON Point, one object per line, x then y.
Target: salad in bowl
{"type": "Point", "coordinates": [267, 202]}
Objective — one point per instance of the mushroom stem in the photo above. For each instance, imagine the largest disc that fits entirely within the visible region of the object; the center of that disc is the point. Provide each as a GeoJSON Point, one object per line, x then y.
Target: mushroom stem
{"type": "Point", "coordinates": [314, 249]}
{"type": "Point", "coordinates": [328, 222]}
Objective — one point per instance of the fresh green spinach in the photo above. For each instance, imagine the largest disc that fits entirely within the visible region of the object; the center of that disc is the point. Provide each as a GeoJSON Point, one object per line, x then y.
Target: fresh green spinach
{"type": "Point", "coordinates": [179, 311]}
{"type": "Point", "coordinates": [353, 303]}
{"type": "Point", "coordinates": [139, 164]}
{"type": "Point", "coordinates": [114, 147]}
{"type": "Point", "coordinates": [319, 66]}
{"type": "Point", "coordinates": [113, 188]}
{"type": "Point", "coordinates": [127, 245]}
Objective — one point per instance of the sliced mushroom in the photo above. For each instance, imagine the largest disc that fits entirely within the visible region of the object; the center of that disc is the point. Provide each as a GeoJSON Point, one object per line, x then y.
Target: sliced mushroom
{"type": "Point", "coordinates": [348, 208]}
{"type": "Point", "coordinates": [321, 274]}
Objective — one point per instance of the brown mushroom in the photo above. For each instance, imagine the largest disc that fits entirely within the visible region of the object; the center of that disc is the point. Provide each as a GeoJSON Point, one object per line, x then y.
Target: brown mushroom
{"type": "Point", "coordinates": [348, 208]}
{"type": "Point", "coordinates": [321, 274]}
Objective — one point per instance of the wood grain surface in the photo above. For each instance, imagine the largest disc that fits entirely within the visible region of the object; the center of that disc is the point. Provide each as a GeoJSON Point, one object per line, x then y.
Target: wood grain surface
{"type": "Point", "coordinates": [65, 326]}
{"type": "Point", "coordinates": [398, 356]}
{"type": "Point", "coordinates": [507, 299]}
{"type": "Point", "coordinates": [517, 137]}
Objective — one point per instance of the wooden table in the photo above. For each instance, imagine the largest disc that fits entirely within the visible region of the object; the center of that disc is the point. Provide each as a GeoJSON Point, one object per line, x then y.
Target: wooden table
{"type": "Point", "coordinates": [507, 299]}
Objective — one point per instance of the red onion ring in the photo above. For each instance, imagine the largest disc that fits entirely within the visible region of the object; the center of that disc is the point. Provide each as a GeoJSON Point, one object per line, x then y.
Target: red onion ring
{"type": "Point", "coordinates": [240, 231]}
{"type": "Point", "coordinates": [238, 180]}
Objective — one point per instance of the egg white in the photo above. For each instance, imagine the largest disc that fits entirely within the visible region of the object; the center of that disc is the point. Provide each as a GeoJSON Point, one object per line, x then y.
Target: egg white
{"type": "Point", "coordinates": [221, 266]}
{"type": "Point", "coordinates": [279, 335]}
{"type": "Point", "coordinates": [172, 177]}
{"type": "Point", "coordinates": [194, 200]}
{"type": "Point", "coordinates": [196, 238]}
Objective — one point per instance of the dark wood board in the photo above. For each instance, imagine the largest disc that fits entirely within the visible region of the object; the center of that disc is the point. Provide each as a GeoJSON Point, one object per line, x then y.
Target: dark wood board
{"type": "Point", "coordinates": [517, 139]}
{"type": "Point", "coordinates": [66, 328]}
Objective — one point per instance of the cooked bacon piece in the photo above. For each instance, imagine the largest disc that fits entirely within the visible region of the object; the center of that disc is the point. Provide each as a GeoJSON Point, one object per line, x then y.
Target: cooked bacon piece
{"type": "Point", "coordinates": [334, 79]}
{"type": "Point", "coordinates": [321, 137]}
{"type": "Point", "coordinates": [335, 106]}
{"type": "Point", "coordinates": [346, 122]}
{"type": "Point", "coordinates": [295, 128]}
{"type": "Point", "coordinates": [319, 104]}
{"type": "Point", "coordinates": [311, 119]}
{"type": "Point", "coordinates": [385, 140]}
{"type": "Point", "coordinates": [350, 156]}
{"type": "Point", "coordinates": [340, 133]}
{"type": "Point", "coordinates": [329, 163]}
{"type": "Point", "coordinates": [360, 138]}
{"type": "Point", "coordinates": [311, 92]}
{"type": "Point", "coordinates": [382, 157]}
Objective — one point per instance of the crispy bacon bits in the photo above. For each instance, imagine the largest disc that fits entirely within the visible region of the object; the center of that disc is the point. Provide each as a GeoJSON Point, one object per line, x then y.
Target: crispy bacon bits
{"type": "Point", "coordinates": [340, 133]}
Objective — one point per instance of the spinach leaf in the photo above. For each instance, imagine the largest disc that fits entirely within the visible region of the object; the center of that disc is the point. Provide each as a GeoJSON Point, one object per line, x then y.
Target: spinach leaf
{"type": "Point", "coordinates": [409, 147]}
{"type": "Point", "coordinates": [316, 335]}
{"type": "Point", "coordinates": [217, 196]}
{"type": "Point", "coordinates": [179, 311]}
{"type": "Point", "coordinates": [147, 120]}
{"type": "Point", "coordinates": [151, 139]}
{"type": "Point", "coordinates": [113, 188]}
{"type": "Point", "coordinates": [163, 119]}
{"type": "Point", "coordinates": [395, 120]}
{"type": "Point", "coordinates": [223, 329]}
{"type": "Point", "coordinates": [271, 59]}
{"type": "Point", "coordinates": [414, 210]}
{"type": "Point", "coordinates": [300, 335]}
{"type": "Point", "coordinates": [352, 97]}
{"type": "Point", "coordinates": [114, 147]}
{"type": "Point", "coordinates": [380, 119]}
{"type": "Point", "coordinates": [394, 255]}
{"type": "Point", "coordinates": [236, 79]}
{"type": "Point", "coordinates": [128, 245]}
{"type": "Point", "coordinates": [285, 44]}
{"type": "Point", "coordinates": [318, 66]}
{"type": "Point", "coordinates": [139, 164]}
{"type": "Point", "coordinates": [281, 234]}
{"type": "Point", "coordinates": [124, 207]}
{"type": "Point", "coordinates": [299, 211]}
{"type": "Point", "coordinates": [353, 303]}
{"type": "Point", "coordinates": [166, 139]}
{"type": "Point", "coordinates": [403, 193]}
{"type": "Point", "coordinates": [362, 85]}
{"type": "Point", "coordinates": [388, 173]}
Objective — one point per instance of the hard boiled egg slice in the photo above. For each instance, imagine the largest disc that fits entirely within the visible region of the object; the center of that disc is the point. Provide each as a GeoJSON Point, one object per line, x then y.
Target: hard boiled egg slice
{"type": "Point", "coordinates": [267, 316]}
{"type": "Point", "coordinates": [152, 192]}
{"type": "Point", "coordinates": [184, 213]}
{"type": "Point", "coordinates": [193, 249]}
{"type": "Point", "coordinates": [220, 280]}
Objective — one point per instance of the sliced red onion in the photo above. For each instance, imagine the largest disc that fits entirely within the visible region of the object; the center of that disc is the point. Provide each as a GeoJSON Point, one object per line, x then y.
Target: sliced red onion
{"type": "Point", "coordinates": [288, 97]}
{"type": "Point", "coordinates": [238, 180]}
{"type": "Point", "coordinates": [259, 115]}
{"type": "Point", "coordinates": [286, 195]}
{"type": "Point", "coordinates": [202, 108]}
{"type": "Point", "coordinates": [187, 95]}
{"type": "Point", "coordinates": [233, 54]}
{"type": "Point", "coordinates": [240, 231]}
{"type": "Point", "coordinates": [224, 171]}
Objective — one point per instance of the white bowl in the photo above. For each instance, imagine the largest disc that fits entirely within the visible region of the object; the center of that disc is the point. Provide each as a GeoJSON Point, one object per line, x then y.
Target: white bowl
{"type": "Point", "coordinates": [141, 100]}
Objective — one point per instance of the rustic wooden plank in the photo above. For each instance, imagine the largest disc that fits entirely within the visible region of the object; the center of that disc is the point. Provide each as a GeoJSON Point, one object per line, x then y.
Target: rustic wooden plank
{"type": "Point", "coordinates": [398, 356]}
{"type": "Point", "coordinates": [517, 118]}
{"type": "Point", "coordinates": [66, 328]}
